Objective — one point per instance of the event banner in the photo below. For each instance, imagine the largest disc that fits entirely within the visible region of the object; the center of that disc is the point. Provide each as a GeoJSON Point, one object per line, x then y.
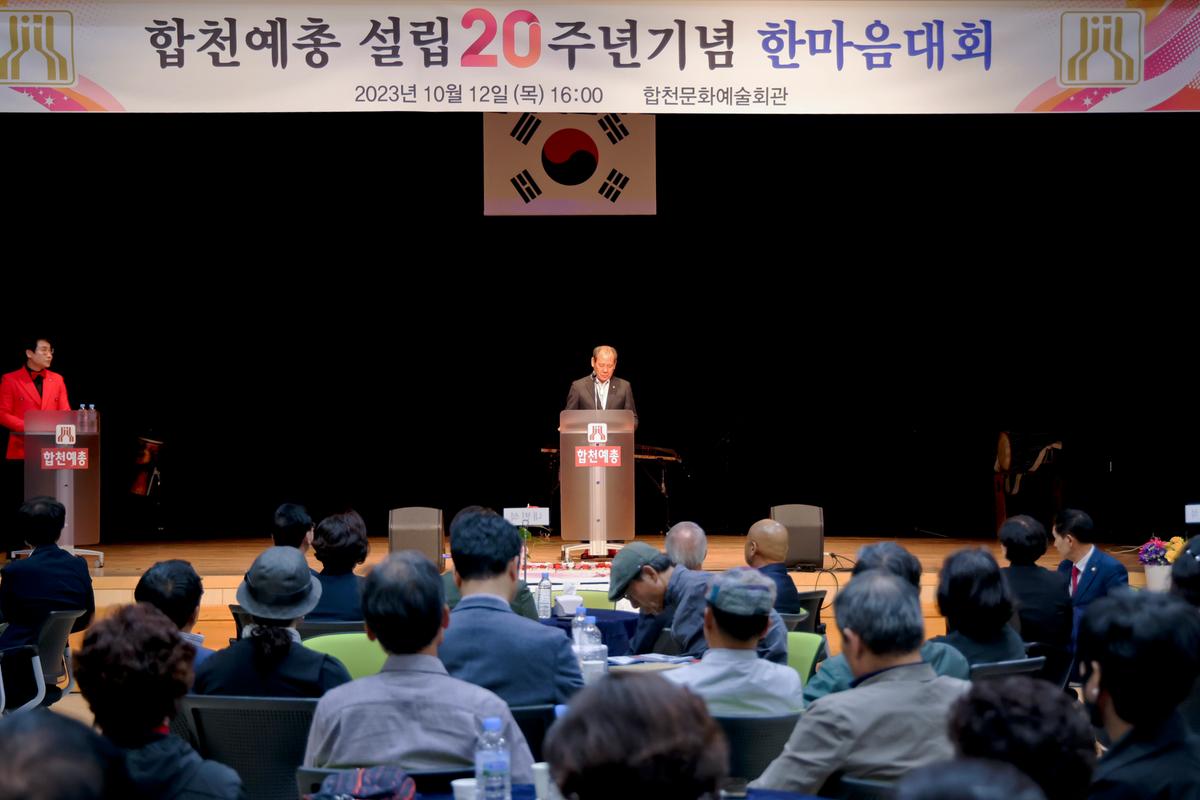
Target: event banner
{"type": "Point", "coordinates": [654, 57]}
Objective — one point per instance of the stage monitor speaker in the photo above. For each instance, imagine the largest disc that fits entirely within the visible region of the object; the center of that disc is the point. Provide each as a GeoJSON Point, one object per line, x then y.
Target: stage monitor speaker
{"type": "Point", "coordinates": [418, 528]}
{"type": "Point", "coordinates": [806, 534]}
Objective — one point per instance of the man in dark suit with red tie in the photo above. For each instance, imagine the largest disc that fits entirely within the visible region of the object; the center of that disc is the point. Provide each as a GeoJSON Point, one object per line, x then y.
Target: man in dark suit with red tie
{"type": "Point", "coordinates": [1092, 573]}
{"type": "Point", "coordinates": [600, 390]}
{"type": "Point", "coordinates": [33, 387]}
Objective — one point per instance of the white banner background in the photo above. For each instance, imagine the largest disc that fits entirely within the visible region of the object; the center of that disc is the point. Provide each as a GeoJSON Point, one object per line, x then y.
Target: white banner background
{"type": "Point", "coordinates": [116, 64]}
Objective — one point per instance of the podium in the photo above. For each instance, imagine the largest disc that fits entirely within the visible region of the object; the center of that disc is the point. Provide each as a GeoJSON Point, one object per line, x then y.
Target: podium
{"type": "Point", "coordinates": [62, 460]}
{"type": "Point", "coordinates": [596, 472]}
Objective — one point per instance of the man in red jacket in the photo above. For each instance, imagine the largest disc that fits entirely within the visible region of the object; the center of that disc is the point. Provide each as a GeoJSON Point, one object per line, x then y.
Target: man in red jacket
{"type": "Point", "coordinates": [32, 387]}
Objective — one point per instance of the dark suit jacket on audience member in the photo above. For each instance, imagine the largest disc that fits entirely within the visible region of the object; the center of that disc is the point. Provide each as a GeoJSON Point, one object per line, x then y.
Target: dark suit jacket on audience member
{"type": "Point", "coordinates": [522, 603]}
{"type": "Point", "coordinates": [168, 768]}
{"type": "Point", "coordinates": [50, 579]}
{"type": "Point", "coordinates": [1161, 763]}
{"type": "Point", "coordinates": [1043, 604]}
{"type": "Point", "coordinates": [302, 673]}
{"type": "Point", "coordinates": [1005, 647]}
{"type": "Point", "coordinates": [1102, 574]}
{"type": "Point", "coordinates": [525, 662]}
{"type": "Point", "coordinates": [787, 599]}
{"type": "Point", "coordinates": [649, 627]}
{"type": "Point", "coordinates": [341, 599]}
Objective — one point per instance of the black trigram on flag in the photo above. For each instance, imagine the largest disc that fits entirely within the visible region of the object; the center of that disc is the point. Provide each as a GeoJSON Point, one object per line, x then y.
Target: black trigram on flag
{"type": "Point", "coordinates": [525, 128]}
{"type": "Point", "coordinates": [613, 185]}
{"type": "Point", "coordinates": [526, 186]}
{"type": "Point", "coordinates": [613, 128]}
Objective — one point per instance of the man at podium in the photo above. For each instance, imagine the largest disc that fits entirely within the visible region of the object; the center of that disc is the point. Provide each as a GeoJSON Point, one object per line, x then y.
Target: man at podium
{"type": "Point", "coordinates": [600, 390]}
{"type": "Point", "coordinates": [33, 387]}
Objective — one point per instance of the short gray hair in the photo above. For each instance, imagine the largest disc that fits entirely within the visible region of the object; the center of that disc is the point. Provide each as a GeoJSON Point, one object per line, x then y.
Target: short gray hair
{"type": "Point", "coordinates": [884, 610]}
{"type": "Point", "coordinates": [687, 545]}
{"type": "Point", "coordinates": [596, 351]}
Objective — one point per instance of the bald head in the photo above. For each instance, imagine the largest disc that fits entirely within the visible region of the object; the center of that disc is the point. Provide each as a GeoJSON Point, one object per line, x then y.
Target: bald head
{"type": "Point", "coordinates": [766, 543]}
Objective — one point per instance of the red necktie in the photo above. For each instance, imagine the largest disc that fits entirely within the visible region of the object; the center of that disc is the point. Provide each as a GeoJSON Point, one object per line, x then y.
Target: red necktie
{"type": "Point", "coordinates": [1074, 579]}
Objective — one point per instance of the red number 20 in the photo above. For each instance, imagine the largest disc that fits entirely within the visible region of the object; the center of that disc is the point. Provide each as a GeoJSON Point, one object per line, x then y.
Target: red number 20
{"type": "Point", "coordinates": [474, 56]}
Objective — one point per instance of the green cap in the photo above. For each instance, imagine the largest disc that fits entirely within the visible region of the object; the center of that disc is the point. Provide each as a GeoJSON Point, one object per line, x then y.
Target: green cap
{"type": "Point", "coordinates": [626, 566]}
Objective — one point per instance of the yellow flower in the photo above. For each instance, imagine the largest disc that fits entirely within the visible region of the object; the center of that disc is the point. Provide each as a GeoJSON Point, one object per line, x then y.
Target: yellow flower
{"type": "Point", "coordinates": [1174, 548]}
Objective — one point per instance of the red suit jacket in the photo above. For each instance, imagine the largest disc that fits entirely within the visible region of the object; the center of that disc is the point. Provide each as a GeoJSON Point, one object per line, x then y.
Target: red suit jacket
{"type": "Point", "coordinates": [18, 395]}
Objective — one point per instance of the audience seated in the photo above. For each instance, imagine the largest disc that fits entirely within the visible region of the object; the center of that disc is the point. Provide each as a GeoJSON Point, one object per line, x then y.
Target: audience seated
{"type": "Point", "coordinates": [1091, 573]}
{"type": "Point", "coordinates": [687, 545]}
{"type": "Point", "coordinates": [968, 779]}
{"type": "Point", "coordinates": [132, 669]}
{"type": "Point", "coordinates": [1033, 725]}
{"type": "Point", "coordinates": [1138, 654]}
{"type": "Point", "coordinates": [1042, 597]}
{"type": "Point", "coordinates": [50, 579]}
{"type": "Point", "coordinates": [269, 661]}
{"type": "Point", "coordinates": [522, 602]}
{"type": "Point", "coordinates": [293, 527]}
{"type": "Point", "coordinates": [637, 736]}
{"type": "Point", "coordinates": [49, 756]}
{"type": "Point", "coordinates": [1185, 583]}
{"type": "Point", "coordinates": [766, 549]}
{"type": "Point", "coordinates": [650, 580]}
{"type": "Point", "coordinates": [834, 674]}
{"type": "Point", "coordinates": [412, 714]}
{"type": "Point", "coordinates": [174, 588]}
{"type": "Point", "coordinates": [487, 644]}
{"type": "Point", "coordinates": [974, 598]}
{"type": "Point", "coordinates": [894, 716]}
{"type": "Point", "coordinates": [340, 544]}
{"type": "Point", "coordinates": [731, 677]}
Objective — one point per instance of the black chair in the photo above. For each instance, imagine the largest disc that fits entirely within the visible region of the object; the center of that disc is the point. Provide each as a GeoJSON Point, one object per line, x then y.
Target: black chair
{"type": "Point", "coordinates": [1000, 669]}
{"type": "Point", "coordinates": [791, 621]}
{"type": "Point", "coordinates": [754, 742]}
{"type": "Point", "coordinates": [17, 661]}
{"type": "Point", "coordinates": [1057, 669]}
{"type": "Point", "coordinates": [55, 654]}
{"type": "Point", "coordinates": [262, 738]}
{"type": "Point", "coordinates": [241, 618]}
{"type": "Point", "coordinates": [843, 787]}
{"type": "Point", "coordinates": [534, 721]}
{"type": "Point", "coordinates": [179, 727]}
{"type": "Point", "coordinates": [310, 629]}
{"type": "Point", "coordinates": [811, 602]}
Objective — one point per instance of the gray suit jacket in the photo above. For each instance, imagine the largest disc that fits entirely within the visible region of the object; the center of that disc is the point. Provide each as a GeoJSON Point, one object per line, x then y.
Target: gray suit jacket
{"type": "Point", "coordinates": [525, 662]}
{"type": "Point", "coordinates": [892, 722]}
{"type": "Point", "coordinates": [582, 395]}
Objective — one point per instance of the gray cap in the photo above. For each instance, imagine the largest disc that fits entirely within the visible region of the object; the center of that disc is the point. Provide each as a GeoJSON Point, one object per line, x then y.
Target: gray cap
{"type": "Point", "coordinates": [743, 591]}
{"type": "Point", "coordinates": [626, 565]}
{"type": "Point", "coordinates": [279, 585]}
